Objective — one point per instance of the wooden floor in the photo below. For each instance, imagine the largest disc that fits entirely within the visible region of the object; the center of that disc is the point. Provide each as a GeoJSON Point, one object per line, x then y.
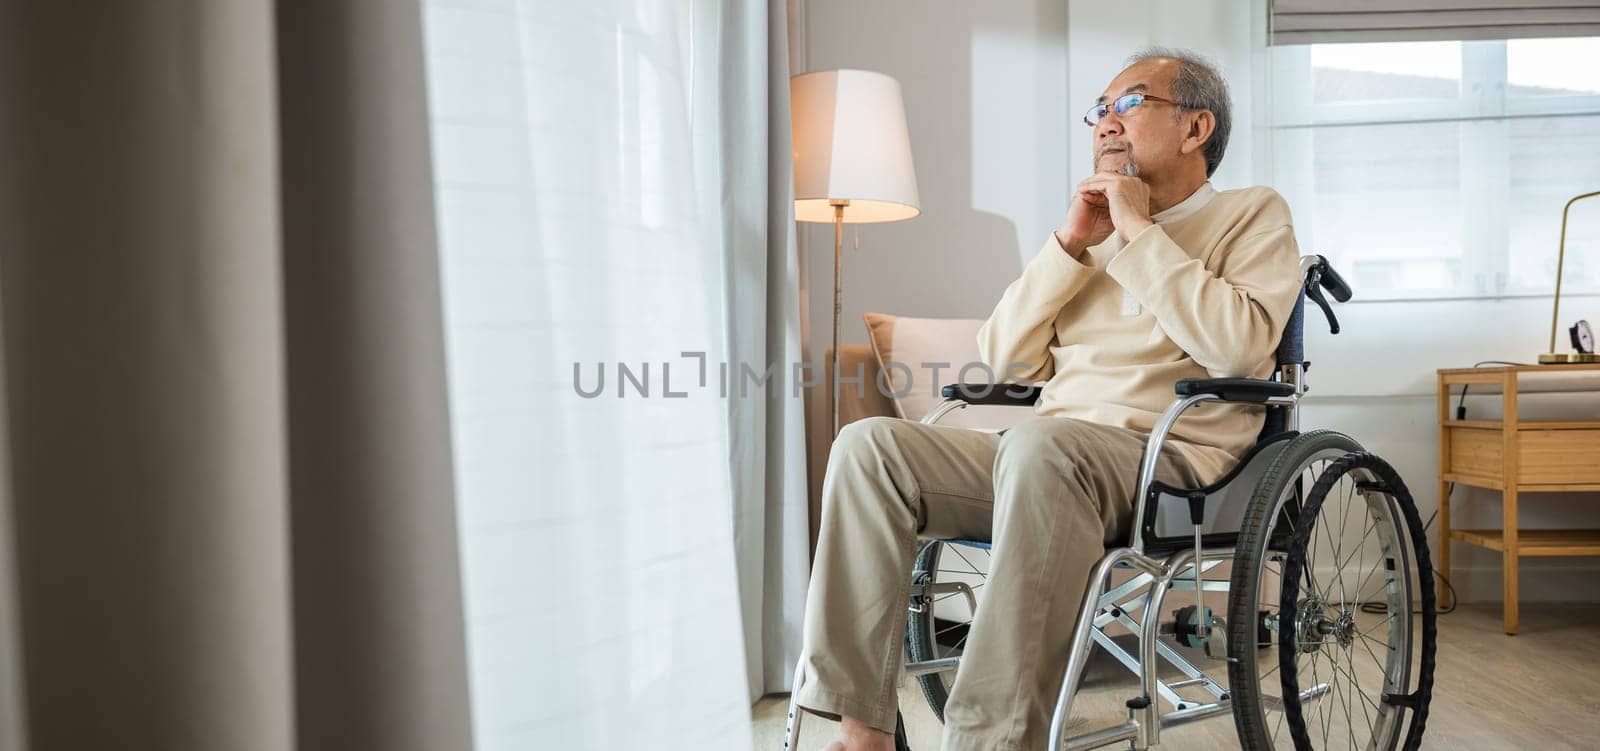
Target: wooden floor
{"type": "Point", "coordinates": [1537, 690]}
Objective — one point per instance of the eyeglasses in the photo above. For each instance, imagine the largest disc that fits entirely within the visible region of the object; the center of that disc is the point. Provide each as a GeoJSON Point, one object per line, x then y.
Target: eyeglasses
{"type": "Point", "coordinates": [1122, 105]}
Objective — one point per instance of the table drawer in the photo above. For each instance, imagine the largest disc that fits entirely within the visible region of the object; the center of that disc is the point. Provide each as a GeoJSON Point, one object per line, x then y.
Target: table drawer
{"type": "Point", "coordinates": [1559, 456]}
{"type": "Point", "coordinates": [1476, 451]}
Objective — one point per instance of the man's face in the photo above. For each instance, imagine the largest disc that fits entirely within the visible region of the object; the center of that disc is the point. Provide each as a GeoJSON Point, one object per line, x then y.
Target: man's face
{"type": "Point", "coordinates": [1146, 139]}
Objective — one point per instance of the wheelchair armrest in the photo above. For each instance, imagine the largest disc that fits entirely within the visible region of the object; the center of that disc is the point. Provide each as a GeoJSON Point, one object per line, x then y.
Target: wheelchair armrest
{"type": "Point", "coordinates": [995, 394]}
{"type": "Point", "coordinates": [1253, 390]}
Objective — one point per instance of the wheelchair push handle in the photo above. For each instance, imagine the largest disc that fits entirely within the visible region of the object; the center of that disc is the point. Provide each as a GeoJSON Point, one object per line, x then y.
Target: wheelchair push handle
{"type": "Point", "coordinates": [1331, 280]}
{"type": "Point", "coordinates": [1319, 276]}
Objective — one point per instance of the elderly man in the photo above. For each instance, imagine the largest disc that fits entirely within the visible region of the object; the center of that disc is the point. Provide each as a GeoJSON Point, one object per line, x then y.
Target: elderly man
{"type": "Point", "coordinates": [1153, 276]}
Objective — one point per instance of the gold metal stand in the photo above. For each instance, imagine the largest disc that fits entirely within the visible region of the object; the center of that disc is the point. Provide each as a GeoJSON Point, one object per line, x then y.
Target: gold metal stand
{"type": "Point", "coordinates": [1564, 358]}
{"type": "Point", "coordinates": [1569, 358]}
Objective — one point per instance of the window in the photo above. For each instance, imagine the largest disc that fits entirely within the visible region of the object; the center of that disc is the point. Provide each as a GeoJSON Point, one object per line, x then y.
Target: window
{"type": "Point", "coordinates": [1439, 169]}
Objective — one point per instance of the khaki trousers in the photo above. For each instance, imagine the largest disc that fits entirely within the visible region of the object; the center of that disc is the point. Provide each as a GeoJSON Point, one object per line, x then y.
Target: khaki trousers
{"type": "Point", "coordinates": [1050, 493]}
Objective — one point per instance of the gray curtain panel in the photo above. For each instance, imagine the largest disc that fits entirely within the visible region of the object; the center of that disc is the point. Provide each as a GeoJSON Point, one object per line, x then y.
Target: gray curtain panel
{"type": "Point", "coordinates": [230, 493]}
{"type": "Point", "coordinates": [762, 298]}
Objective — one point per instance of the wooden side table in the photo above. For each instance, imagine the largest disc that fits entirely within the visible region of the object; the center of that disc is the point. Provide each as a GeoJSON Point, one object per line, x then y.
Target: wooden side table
{"type": "Point", "coordinates": [1514, 457]}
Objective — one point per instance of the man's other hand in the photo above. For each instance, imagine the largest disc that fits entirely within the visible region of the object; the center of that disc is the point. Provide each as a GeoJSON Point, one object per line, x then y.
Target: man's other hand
{"type": "Point", "coordinates": [1088, 223]}
{"type": "Point", "coordinates": [1125, 199]}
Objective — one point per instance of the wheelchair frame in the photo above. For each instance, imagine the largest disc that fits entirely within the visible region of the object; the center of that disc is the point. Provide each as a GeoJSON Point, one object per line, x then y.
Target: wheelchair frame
{"type": "Point", "coordinates": [1147, 590]}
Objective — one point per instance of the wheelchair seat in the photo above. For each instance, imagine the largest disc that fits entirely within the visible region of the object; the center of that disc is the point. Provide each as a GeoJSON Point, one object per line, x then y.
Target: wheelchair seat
{"type": "Point", "coordinates": [1166, 517]}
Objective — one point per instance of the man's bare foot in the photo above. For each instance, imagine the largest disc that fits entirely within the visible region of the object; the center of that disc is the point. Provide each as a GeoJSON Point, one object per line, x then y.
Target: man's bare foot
{"type": "Point", "coordinates": [855, 735]}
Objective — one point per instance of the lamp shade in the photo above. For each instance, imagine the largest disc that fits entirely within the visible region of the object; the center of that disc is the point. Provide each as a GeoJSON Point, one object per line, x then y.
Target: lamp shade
{"type": "Point", "coordinates": [851, 144]}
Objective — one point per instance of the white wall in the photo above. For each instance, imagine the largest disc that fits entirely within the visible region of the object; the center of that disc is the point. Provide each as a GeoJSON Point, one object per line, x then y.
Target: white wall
{"type": "Point", "coordinates": [984, 86]}
{"type": "Point", "coordinates": [993, 94]}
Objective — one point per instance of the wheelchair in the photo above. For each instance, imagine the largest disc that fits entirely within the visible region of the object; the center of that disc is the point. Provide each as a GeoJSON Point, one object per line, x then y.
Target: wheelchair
{"type": "Point", "coordinates": [1327, 636]}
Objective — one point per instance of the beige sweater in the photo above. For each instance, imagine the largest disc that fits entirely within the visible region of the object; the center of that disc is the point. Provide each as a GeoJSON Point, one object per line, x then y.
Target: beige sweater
{"type": "Point", "coordinates": [1205, 292]}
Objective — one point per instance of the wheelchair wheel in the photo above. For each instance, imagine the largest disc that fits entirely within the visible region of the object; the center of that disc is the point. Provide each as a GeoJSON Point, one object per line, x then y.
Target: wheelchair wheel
{"type": "Point", "coordinates": [1322, 636]}
{"type": "Point", "coordinates": [938, 624]}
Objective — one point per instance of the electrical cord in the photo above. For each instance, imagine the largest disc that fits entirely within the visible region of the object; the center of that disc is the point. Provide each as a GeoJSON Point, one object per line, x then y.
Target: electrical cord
{"type": "Point", "coordinates": [1461, 405]}
{"type": "Point", "coordinates": [1376, 607]}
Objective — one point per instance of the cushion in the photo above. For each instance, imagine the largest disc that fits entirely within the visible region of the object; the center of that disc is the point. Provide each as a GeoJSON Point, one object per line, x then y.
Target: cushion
{"type": "Point", "coordinates": [907, 350]}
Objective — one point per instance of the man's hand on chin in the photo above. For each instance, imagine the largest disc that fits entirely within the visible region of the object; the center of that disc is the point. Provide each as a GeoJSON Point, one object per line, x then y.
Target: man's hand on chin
{"type": "Point", "coordinates": [1087, 224]}
{"type": "Point", "coordinates": [1127, 200]}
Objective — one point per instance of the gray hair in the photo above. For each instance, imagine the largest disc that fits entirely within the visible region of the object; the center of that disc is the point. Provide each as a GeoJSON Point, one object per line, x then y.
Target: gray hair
{"type": "Point", "coordinates": [1199, 85]}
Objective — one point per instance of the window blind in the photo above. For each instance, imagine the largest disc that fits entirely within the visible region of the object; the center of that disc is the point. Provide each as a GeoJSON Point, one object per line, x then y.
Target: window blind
{"type": "Point", "coordinates": [1318, 21]}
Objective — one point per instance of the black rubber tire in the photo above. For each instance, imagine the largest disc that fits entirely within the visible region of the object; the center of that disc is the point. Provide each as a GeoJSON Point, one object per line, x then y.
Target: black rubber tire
{"type": "Point", "coordinates": [919, 640]}
{"type": "Point", "coordinates": [1255, 541]}
{"type": "Point", "coordinates": [1417, 534]}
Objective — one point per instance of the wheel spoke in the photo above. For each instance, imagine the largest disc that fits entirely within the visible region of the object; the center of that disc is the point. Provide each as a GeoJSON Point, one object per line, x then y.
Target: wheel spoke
{"type": "Point", "coordinates": [1380, 558]}
{"type": "Point", "coordinates": [1361, 549]}
{"type": "Point", "coordinates": [1310, 559]}
{"type": "Point", "coordinates": [1349, 723]}
{"type": "Point", "coordinates": [1332, 697]}
{"type": "Point", "coordinates": [1365, 702]}
{"type": "Point", "coordinates": [1338, 551]}
{"type": "Point", "coordinates": [1375, 626]}
{"type": "Point", "coordinates": [1351, 686]}
{"type": "Point", "coordinates": [1362, 586]}
{"type": "Point", "coordinates": [957, 550]}
{"type": "Point", "coordinates": [1264, 600]}
{"type": "Point", "coordinates": [1363, 641]}
{"type": "Point", "coordinates": [1351, 678]}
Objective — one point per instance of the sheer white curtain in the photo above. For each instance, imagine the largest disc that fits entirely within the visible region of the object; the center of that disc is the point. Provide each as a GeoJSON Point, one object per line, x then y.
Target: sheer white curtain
{"type": "Point", "coordinates": [604, 196]}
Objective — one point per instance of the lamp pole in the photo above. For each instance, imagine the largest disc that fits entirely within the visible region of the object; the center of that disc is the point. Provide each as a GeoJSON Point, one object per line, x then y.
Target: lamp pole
{"type": "Point", "coordinates": [838, 253]}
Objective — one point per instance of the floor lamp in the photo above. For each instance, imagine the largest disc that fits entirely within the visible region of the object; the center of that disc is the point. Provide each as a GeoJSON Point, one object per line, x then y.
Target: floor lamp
{"type": "Point", "coordinates": [852, 165]}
